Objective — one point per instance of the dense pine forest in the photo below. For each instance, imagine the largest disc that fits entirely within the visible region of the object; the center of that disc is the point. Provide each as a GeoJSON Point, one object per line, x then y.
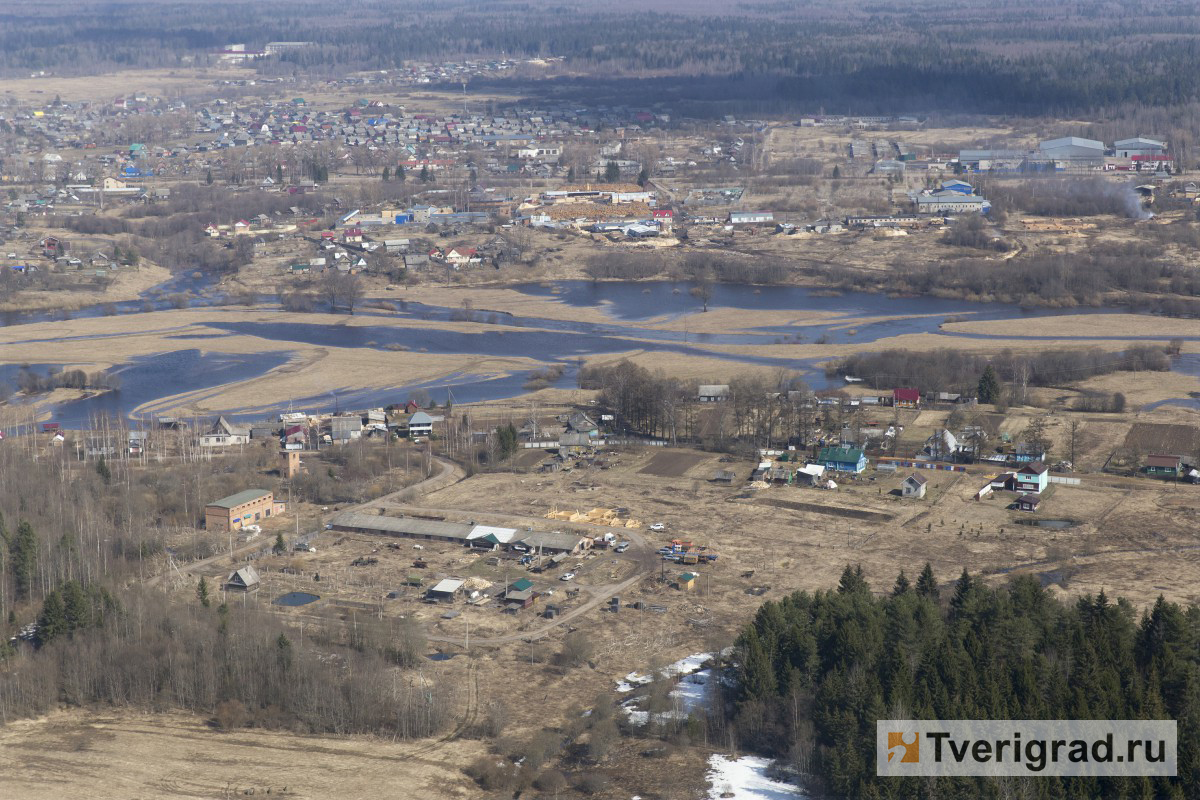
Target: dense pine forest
{"type": "Point", "coordinates": [817, 670]}
{"type": "Point", "coordinates": [972, 56]}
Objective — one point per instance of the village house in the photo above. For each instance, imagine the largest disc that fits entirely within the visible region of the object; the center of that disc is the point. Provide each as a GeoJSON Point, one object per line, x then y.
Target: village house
{"type": "Point", "coordinates": [906, 398]}
{"type": "Point", "coordinates": [712, 392]}
{"type": "Point", "coordinates": [420, 424]}
{"type": "Point", "coordinates": [1164, 466]}
{"type": "Point", "coordinates": [224, 433]}
{"type": "Point", "coordinates": [345, 429]}
{"type": "Point", "coordinates": [243, 580]}
{"type": "Point", "coordinates": [843, 459]}
{"type": "Point", "coordinates": [1031, 478]}
{"type": "Point", "coordinates": [914, 486]}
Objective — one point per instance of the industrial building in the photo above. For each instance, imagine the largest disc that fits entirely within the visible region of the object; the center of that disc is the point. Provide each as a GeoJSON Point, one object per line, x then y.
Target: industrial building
{"type": "Point", "coordinates": [239, 510]}
{"type": "Point", "coordinates": [1140, 147]}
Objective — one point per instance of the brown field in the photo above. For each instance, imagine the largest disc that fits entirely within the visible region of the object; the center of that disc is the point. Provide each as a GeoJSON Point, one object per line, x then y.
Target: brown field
{"type": "Point", "coordinates": [1149, 437]}
{"type": "Point", "coordinates": [672, 464]}
{"type": "Point", "coordinates": [125, 755]}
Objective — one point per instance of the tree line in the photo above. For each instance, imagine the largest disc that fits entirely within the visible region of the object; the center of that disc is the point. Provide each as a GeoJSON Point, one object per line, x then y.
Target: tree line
{"type": "Point", "coordinates": [815, 671]}
{"type": "Point", "coordinates": [948, 370]}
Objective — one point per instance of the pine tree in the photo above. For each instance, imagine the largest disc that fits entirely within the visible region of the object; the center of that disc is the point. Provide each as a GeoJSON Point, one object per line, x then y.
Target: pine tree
{"type": "Point", "coordinates": [280, 544]}
{"type": "Point", "coordinates": [852, 581]}
{"type": "Point", "coordinates": [279, 174]}
{"type": "Point", "coordinates": [424, 176]}
{"type": "Point", "coordinates": [643, 177]}
{"type": "Point", "coordinates": [926, 584]}
{"type": "Point", "coordinates": [962, 593]}
{"type": "Point", "coordinates": [52, 622]}
{"type": "Point", "coordinates": [208, 177]}
{"type": "Point", "coordinates": [989, 386]}
{"type": "Point", "coordinates": [837, 172]}
{"type": "Point", "coordinates": [76, 607]}
{"type": "Point", "coordinates": [23, 554]}
{"type": "Point", "coordinates": [103, 471]}
{"type": "Point", "coordinates": [612, 173]}
{"type": "Point", "coordinates": [202, 592]}
{"type": "Point", "coordinates": [571, 175]}
{"type": "Point", "coordinates": [400, 176]}
{"type": "Point", "coordinates": [901, 586]}
{"type": "Point", "coordinates": [283, 651]}
{"type": "Point", "coordinates": [387, 174]}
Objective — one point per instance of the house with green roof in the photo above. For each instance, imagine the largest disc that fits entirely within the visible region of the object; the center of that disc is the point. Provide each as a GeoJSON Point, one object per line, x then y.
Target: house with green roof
{"type": "Point", "coordinates": [843, 459]}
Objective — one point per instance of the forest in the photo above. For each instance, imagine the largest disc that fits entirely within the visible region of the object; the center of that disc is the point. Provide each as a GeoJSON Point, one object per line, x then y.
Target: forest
{"type": "Point", "coordinates": [80, 545]}
{"type": "Point", "coordinates": [973, 57]}
{"type": "Point", "coordinates": [815, 671]}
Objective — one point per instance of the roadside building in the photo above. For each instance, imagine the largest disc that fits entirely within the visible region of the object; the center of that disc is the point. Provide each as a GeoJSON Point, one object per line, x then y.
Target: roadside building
{"type": "Point", "coordinates": [906, 398]}
{"type": "Point", "coordinates": [238, 510]}
{"type": "Point", "coordinates": [713, 392]}
{"type": "Point", "coordinates": [1028, 502]}
{"type": "Point", "coordinates": [1164, 466]}
{"type": "Point", "coordinates": [420, 424]}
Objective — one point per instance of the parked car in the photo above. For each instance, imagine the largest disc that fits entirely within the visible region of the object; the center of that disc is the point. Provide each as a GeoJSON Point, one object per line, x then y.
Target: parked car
{"type": "Point", "coordinates": [622, 547]}
{"type": "Point", "coordinates": [567, 576]}
{"type": "Point", "coordinates": [658, 526]}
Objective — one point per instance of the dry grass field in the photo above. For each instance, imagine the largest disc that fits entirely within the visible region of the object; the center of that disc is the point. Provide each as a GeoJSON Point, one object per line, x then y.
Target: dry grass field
{"type": "Point", "coordinates": [167, 756]}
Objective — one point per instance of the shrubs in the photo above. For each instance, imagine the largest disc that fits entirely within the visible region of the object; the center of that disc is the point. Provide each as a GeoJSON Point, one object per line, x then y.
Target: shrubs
{"type": "Point", "coordinates": [972, 231]}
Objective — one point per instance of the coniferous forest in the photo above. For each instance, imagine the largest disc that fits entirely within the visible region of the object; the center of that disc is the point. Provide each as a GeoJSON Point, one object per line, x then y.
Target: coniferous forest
{"type": "Point", "coordinates": [817, 670]}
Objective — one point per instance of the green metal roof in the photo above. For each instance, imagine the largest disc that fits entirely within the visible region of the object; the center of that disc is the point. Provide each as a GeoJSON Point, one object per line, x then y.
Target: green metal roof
{"type": "Point", "coordinates": [844, 454]}
{"type": "Point", "coordinates": [521, 585]}
{"type": "Point", "coordinates": [688, 576]}
{"type": "Point", "coordinates": [238, 499]}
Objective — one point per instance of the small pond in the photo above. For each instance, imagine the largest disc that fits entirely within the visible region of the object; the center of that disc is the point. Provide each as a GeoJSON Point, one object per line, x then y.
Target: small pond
{"type": "Point", "coordinates": [296, 599]}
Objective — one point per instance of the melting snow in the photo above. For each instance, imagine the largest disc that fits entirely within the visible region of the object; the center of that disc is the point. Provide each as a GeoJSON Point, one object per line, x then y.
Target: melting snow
{"type": "Point", "coordinates": [746, 779]}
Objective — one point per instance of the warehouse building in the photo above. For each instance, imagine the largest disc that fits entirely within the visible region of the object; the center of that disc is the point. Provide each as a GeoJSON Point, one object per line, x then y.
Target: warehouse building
{"type": "Point", "coordinates": [485, 536]}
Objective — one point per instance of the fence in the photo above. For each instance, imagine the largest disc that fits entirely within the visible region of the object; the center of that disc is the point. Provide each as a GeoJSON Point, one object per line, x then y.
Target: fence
{"type": "Point", "coordinates": [1064, 481]}
{"type": "Point", "coordinates": [899, 462]}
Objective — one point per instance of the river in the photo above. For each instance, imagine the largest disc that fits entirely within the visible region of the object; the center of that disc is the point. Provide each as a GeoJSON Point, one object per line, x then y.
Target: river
{"type": "Point", "coordinates": [629, 304]}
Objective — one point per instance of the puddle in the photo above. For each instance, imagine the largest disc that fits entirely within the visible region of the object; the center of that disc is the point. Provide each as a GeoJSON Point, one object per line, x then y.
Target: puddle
{"type": "Point", "coordinates": [296, 599]}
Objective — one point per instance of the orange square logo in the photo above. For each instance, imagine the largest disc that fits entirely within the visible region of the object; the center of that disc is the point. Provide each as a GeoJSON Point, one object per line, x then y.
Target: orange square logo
{"type": "Point", "coordinates": [910, 752]}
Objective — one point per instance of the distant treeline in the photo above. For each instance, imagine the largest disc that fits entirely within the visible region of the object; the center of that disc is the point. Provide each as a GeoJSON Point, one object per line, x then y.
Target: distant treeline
{"type": "Point", "coordinates": [906, 56]}
{"type": "Point", "coordinates": [815, 671]}
{"type": "Point", "coordinates": [947, 370]}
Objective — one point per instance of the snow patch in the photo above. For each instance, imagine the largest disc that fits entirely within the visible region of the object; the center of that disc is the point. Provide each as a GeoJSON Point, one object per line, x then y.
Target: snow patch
{"type": "Point", "coordinates": [684, 666]}
{"type": "Point", "coordinates": [746, 778]}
